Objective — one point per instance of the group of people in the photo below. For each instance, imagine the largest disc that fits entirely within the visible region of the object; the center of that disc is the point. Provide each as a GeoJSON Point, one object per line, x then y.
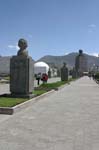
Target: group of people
{"type": "Point", "coordinates": [93, 76]}
{"type": "Point", "coordinates": [43, 77]}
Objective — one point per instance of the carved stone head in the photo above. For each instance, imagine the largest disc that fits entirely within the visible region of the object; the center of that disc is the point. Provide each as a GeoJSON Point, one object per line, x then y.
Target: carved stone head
{"type": "Point", "coordinates": [80, 52]}
{"type": "Point", "coordinates": [64, 64]}
{"type": "Point", "coordinates": [22, 43]}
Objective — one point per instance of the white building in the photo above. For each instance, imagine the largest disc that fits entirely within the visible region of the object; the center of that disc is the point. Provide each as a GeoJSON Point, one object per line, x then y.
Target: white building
{"type": "Point", "coordinates": [41, 67]}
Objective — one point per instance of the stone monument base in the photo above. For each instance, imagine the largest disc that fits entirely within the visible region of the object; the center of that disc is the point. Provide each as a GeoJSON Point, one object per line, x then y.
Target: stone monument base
{"type": "Point", "coordinates": [64, 73]}
{"type": "Point", "coordinates": [22, 95]}
{"type": "Point", "coordinates": [18, 95]}
{"type": "Point", "coordinates": [21, 77]}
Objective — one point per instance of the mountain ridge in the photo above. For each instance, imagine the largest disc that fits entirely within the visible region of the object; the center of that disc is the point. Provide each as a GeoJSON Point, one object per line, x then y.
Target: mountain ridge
{"type": "Point", "coordinates": [51, 60]}
{"type": "Point", "coordinates": [69, 59]}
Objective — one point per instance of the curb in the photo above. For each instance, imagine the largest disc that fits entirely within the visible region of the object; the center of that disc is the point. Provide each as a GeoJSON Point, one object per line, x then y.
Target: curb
{"type": "Point", "coordinates": [19, 107]}
{"type": "Point", "coordinates": [61, 87]}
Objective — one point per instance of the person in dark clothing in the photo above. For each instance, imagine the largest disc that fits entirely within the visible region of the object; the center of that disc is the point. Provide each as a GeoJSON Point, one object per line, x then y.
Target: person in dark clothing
{"type": "Point", "coordinates": [44, 78]}
{"type": "Point", "coordinates": [38, 78]}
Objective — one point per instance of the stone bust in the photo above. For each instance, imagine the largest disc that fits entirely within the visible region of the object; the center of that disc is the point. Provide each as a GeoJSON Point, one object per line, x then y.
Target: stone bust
{"type": "Point", "coordinates": [22, 43]}
{"type": "Point", "coordinates": [64, 64]}
{"type": "Point", "coordinates": [80, 52]}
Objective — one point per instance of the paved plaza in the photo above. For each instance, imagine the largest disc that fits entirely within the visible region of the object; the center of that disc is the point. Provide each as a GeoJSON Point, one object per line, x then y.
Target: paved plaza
{"type": "Point", "coordinates": [67, 119]}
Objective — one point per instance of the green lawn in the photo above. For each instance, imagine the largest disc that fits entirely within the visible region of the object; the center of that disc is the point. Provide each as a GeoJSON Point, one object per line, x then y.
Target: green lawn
{"type": "Point", "coordinates": [39, 92]}
{"type": "Point", "coordinates": [10, 102]}
{"type": "Point", "coordinates": [49, 86]}
{"type": "Point", "coordinates": [43, 88]}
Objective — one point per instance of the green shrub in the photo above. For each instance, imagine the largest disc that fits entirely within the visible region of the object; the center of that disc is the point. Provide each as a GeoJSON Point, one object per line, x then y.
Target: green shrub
{"type": "Point", "coordinates": [97, 76]}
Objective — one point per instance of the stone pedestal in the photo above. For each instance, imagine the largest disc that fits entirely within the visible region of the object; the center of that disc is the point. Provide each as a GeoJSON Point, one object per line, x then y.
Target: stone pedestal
{"type": "Point", "coordinates": [74, 74]}
{"type": "Point", "coordinates": [21, 76]}
{"type": "Point", "coordinates": [58, 73]}
{"type": "Point", "coordinates": [49, 73]}
{"type": "Point", "coordinates": [64, 73]}
{"type": "Point", "coordinates": [81, 64]}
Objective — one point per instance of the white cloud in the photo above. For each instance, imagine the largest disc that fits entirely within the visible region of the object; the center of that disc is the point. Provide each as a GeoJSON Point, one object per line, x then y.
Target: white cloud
{"type": "Point", "coordinates": [95, 54]}
{"type": "Point", "coordinates": [66, 53]}
{"type": "Point", "coordinates": [86, 53]}
{"type": "Point", "coordinates": [13, 47]}
{"type": "Point", "coordinates": [91, 28]}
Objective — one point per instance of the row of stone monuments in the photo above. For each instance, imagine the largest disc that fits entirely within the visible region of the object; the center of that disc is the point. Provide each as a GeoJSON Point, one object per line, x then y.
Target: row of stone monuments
{"type": "Point", "coordinates": [79, 69]}
{"type": "Point", "coordinates": [21, 71]}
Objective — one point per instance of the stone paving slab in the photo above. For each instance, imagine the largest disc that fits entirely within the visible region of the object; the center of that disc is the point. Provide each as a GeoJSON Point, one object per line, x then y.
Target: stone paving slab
{"type": "Point", "coordinates": [67, 119]}
{"type": "Point", "coordinates": [20, 107]}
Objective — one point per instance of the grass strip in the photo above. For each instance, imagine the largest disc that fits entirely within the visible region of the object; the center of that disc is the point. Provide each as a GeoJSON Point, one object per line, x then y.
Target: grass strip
{"type": "Point", "coordinates": [39, 92]}
{"type": "Point", "coordinates": [10, 102]}
{"type": "Point", "coordinates": [43, 88]}
{"type": "Point", "coordinates": [50, 86]}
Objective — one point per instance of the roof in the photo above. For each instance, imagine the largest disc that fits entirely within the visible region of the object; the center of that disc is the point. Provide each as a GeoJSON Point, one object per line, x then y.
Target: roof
{"type": "Point", "coordinates": [41, 64]}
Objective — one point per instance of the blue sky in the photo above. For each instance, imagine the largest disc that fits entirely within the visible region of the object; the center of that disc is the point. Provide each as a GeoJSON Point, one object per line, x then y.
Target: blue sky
{"type": "Point", "coordinates": [51, 27]}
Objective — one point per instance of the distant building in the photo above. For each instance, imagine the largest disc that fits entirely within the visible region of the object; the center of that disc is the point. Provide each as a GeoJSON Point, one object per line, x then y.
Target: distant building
{"type": "Point", "coordinates": [41, 67]}
{"type": "Point", "coordinates": [81, 64]}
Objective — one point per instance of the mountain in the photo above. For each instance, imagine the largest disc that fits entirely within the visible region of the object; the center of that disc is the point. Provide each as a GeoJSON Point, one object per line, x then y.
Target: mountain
{"type": "Point", "coordinates": [53, 61]}
{"type": "Point", "coordinates": [5, 64]}
{"type": "Point", "coordinates": [57, 61]}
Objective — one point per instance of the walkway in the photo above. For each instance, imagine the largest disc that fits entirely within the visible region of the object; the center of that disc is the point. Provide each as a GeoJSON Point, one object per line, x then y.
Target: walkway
{"type": "Point", "coordinates": [66, 120]}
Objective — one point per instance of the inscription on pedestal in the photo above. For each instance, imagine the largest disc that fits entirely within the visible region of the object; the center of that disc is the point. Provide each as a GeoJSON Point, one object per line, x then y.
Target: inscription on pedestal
{"type": "Point", "coordinates": [21, 74]}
